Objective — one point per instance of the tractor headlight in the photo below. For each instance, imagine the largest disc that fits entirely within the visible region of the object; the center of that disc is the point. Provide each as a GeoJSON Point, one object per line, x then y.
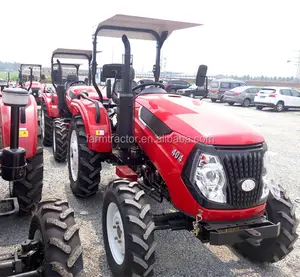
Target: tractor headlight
{"type": "Point", "coordinates": [209, 176]}
{"type": "Point", "coordinates": [40, 93]}
{"type": "Point", "coordinates": [269, 182]}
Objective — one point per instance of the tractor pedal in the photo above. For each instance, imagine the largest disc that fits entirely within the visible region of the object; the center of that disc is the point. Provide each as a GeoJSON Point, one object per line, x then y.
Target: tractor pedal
{"type": "Point", "coordinates": [9, 206]}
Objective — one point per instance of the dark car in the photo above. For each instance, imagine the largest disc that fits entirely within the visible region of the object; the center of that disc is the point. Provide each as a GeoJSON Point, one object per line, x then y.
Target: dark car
{"type": "Point", "coordinates": [193, 91]}
{"type": "Point", "coordinates": [173, 85]}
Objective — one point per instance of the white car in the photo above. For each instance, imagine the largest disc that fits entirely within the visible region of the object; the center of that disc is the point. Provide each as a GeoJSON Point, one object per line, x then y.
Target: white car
{"type": "Point", "coordinates": [279, 98]}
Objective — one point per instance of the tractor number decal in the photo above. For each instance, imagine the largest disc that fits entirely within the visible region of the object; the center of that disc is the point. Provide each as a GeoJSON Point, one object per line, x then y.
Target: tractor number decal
{"type": "Point", "coordinates": [99, 132]}
{"type": "Point", "coordinates": [177, 155]}
{"type": "Point", "coordinates": [23, 133]}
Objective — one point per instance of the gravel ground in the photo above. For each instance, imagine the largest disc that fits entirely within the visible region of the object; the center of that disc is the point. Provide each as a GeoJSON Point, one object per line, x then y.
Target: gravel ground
{"type": "Point", "coordinates": [178, 253]}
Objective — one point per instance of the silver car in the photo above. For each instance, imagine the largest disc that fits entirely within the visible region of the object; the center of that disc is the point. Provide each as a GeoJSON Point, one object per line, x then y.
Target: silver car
{"type": "Point", "coordinates": [241, 95]}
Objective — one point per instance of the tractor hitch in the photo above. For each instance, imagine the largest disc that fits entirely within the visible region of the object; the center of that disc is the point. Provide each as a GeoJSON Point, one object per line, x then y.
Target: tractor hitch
{"type": "Point", "coordinates": [251, 231]}
{"type": "Point", "coordinates": [24, 262]}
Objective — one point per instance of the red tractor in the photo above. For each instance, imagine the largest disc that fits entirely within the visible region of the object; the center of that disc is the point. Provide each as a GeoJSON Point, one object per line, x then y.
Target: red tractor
{"type": "Point", "coordinates": [214, 169]}
{"type": "Point", "coordinates": [56, 113]}
{"type": "Point", "coordinates": [53, 246]}
{"type": "Point", "coordinates": [34, 83]}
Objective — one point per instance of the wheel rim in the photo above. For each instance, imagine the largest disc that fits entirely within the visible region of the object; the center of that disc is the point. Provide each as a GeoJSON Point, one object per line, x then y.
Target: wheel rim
{"type": "Point", "coordinates": [74, 156]}
{"type": "Point", "coordinates": [115, 233]}
{"type": "Point", "coordinates": [54, 139]}
{"type": "Point", "coordinates": [279, 107]}
{"type": "Point", "coordinates": [42, 123]}
{"type": "Point", "coordinates": [192, 95]}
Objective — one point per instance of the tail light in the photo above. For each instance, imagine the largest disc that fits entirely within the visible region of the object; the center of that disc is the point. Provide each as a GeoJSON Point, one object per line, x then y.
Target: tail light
{"type": "Point", "coordinates": [256, 94]}
{"type": "Point", "coordinates": [166, 85]}
{"type": "Point", "coordinates": [272, 95]}
{"type": "Point", "coordinates": [237, 93]}
{"type": "Point", "coordinates": [217, 92]}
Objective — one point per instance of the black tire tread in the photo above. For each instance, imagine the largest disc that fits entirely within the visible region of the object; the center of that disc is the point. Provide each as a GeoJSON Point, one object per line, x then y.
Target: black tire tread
{"type": "Point", "coordinates": [274, 250]}
{"type": "Point", "coordinates": [61, 139]}
{"type": "Point", "coordinates": [47, 140]}
{"type": "Point", "coordinates": [63, 255]}
{"type": "Point", "coordinates": [139, 225]}
{"type": "Point", "coordinates": [29, 190]}
{"type": "Point", "coordinates": [90, 167]}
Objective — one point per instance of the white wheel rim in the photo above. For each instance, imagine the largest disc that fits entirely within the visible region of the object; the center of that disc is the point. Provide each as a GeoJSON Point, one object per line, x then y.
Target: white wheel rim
{"type": "Point", "coordinates": [54, 139]}
{"type": "Point", "coordinates": [74, 156]}
{"type": "Point", "coordinates": [115, 233]}
{"type": "Point", "coordinates": [42, 123]}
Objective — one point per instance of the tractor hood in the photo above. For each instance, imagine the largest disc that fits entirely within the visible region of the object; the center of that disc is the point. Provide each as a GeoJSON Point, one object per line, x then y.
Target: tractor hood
{"type": "Point", "coordinates": [90, 90]}
{"type": "Point", "coordinates": [34, 84]}
{"type": "Point", "coordinates": [198, 121]}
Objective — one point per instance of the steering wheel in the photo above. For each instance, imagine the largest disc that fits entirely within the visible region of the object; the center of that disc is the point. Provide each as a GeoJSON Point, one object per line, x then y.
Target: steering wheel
{"type": "Point", "coordinates": [78, 82]}
{"type": "Point", "coordinates": [149, 84]}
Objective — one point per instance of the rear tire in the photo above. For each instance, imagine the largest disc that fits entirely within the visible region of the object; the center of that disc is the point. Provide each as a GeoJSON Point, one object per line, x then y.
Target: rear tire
{"type": "Point", "coordinates": [126, 210]}
{"type": "Point", "coordinates": [231, 103]}
{"type": "Point", "coordinates": [172, 90]}
{"type": "Point", "coordinates": [54, 225]}
{"type": "Point", "coordinates": [29, 190]}
{"type": "Point", "coordinates": [213, 100]}
{"type": "Point", "coordinates": [46, 125]}
{"type": "Point", "coordinates": [259, 107]}
{"type": "Point", "coordinates": [60, 140]}
{"type": "Point", "coordinates": [84, 164]}
{"type": "Point", "coordinates": [275, 249]}
{"type": "Point", "coordinates": [246, 103]}
{"type": "Point", "coordinates": [279, 107]}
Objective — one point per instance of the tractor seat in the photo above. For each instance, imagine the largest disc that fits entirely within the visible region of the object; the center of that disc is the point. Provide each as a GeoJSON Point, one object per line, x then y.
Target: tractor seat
{"type": "Point", "coordinates": [69, 80]}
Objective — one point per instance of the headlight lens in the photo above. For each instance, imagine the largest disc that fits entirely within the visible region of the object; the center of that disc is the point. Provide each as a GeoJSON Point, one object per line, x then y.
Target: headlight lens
{"type": "Point", "coordinates": [39, 93]}
{"type": "Point", "coordinates": [210, 178]}
{"type": "Point", "coordinates": [269, 182]}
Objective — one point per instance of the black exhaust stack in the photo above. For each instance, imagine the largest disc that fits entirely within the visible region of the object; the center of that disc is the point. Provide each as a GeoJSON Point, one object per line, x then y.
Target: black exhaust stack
{"type": "Point", "coordinates": [125, 114]}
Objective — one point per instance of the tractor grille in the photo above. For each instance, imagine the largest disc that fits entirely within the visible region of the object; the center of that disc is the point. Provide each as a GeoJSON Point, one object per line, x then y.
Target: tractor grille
{"type": "Point", "coordinates": [239, 166]}
{"type": "Point", "coordinates": [35, 92]}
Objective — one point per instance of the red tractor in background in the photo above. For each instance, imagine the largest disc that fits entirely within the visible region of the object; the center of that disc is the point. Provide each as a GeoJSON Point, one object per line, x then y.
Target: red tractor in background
{"type": "Point", "coordinates": [34, 83]}
{"type": "Point", "coordinates": [53, 247]}
{"type": "Point", "coordinates": [213, 168]}
{"type": "Point", "coordinates": [56, 106]}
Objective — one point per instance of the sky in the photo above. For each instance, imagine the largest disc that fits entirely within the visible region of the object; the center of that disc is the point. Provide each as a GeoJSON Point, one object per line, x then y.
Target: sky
{"type": "Point", "coordinates": [237, 37]}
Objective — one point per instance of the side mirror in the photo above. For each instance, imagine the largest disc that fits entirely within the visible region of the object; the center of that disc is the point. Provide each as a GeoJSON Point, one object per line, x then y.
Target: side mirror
{"type": "Point", "coordinates": [108, 88]}
{"type": "Point", "coordinates": [201, 75]}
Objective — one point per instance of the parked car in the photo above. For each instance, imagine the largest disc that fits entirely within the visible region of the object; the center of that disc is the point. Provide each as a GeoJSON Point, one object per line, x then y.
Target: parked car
{"type": "Point", "coordinates": [193, 91]}
{"type": "Point", "coordinates": [173, 85]}
{"type": "Point", "coordinates": [145, 81]}
{"type": "Point", "coordinates": [217, 88]}
{"type": "Point", "coordinates": [242, 95]}
{"type": "Point", "coordinates": [279, 98]}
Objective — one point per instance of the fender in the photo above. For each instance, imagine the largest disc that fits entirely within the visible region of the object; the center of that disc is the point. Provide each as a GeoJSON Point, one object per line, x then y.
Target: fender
{"type": "Point", "coordinates": [52, 108]}
{"type": "Point", "coordinates": [28, 131]}
{"type": "Point", "coordinates": [98, 134]}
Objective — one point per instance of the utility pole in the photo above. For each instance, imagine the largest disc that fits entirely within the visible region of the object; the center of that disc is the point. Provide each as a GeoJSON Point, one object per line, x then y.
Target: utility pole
{"type": "Point", "coordinates": [296, 62]}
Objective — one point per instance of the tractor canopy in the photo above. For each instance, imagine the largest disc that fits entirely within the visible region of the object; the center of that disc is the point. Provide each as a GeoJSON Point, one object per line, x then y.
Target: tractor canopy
{"type": "Point", "coordinates": [63, 53]}
{"type": "Point", "coordinates": [140, 27]}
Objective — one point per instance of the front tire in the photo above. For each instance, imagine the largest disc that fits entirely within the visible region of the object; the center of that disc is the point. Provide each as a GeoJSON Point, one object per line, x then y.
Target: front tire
{"type": "Point", "coordinates": [128, 230]}
{"type": "Point", "coordinates": [46, 126]}
{"type": "Point", "coordinates": [53, 224]}
{"type": "Point", "coordinates": [274, 249]}
{"type": "Point", "coordinates": [231, 103]}
{"type": "Point", "coordinates": [213, 100]}
{"type": "Point", "coordinates": [259, 107]}
{"type": "Point", "coordinates": [29, 190]}
{"type": "Point", "coordinates": [84, 164]}
{"type": "Point", "coordinates": [60, 140]}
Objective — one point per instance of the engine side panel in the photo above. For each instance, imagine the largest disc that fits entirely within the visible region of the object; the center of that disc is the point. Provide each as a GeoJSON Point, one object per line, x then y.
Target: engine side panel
{"type": "Point", "coordinates": [98, 134]}
{"type": "Point", "coordinates": [159, 150]}
{"type": "Point", "coordinates": [51, 102]}
{"type": "Point", "coordinates": [28, 131]}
